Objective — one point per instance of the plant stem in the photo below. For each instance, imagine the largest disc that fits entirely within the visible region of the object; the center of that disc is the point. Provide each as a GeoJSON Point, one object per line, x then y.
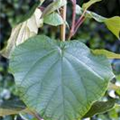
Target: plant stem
{"type": "Point", "coordinates": [63, 27]}
{"type": "Point", "coordinates": [73, 19]}
{"type": "Point", "coordinates": [79, 22]}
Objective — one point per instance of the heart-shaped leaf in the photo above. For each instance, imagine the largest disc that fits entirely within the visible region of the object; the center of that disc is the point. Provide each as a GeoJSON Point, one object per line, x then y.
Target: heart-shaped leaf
{"type": "Point", "coordinates": [59, 80]}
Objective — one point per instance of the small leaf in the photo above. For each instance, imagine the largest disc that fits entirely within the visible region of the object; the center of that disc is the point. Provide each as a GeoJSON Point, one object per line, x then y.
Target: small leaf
{"type": "Point", "coordinates": [107, 53]}
{"type": "Point", "coordinates": [90, 14]}
{"type": "Point", "coordinates": [60, 80]}
{"type": "Point", "coordinates": [95, 16]}
{"type": "Point", "coordinates": [53, 6]}
{"type": "Point", "coordinates": [100, 107]}
{"type": "Point", "coordinates": [11, 107]}
{"type": "Point", "coordinates": [42, 1]}
{"type": "Point", "coordinates": [53, 19]}
{"type": "Point", "coordinates": [78, 9]}
{"type": "Point", "coordinates": [22, 32]}
{"type": "Point", "coordinates": [88, 4]}
{"type": "Point", "coordinates": [113, 24]}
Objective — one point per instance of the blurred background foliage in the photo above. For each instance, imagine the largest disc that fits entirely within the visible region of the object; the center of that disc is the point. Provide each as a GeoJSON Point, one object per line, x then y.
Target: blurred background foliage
{"type": "Point", "coordinates": [93, 34]}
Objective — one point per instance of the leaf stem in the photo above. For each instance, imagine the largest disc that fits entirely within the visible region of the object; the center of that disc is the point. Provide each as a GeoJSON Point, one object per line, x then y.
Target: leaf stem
{"type": "Point", "coordinates": [79, 22]}
{"type": "Point", "coordinates": [73, 19]}
{"type": "Point", "coordinates": [63, 27]}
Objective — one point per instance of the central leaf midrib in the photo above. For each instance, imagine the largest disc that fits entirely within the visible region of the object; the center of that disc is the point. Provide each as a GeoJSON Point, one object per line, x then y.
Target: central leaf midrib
{"type": "Point", "coordinates": [71, 89]}
{"type": "Point", "coordinates": [62, 85]}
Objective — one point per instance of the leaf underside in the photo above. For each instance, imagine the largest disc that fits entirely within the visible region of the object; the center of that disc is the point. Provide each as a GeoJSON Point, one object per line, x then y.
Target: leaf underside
{"type": "Point", "coordinates": [59, 80]}
{"type": "Point", "coordinates": [11, 107]}
{"type": "Point", "coordinates": [100, 107]}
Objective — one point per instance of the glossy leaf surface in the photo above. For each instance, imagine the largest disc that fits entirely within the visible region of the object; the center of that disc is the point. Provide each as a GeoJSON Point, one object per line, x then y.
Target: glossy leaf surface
{"type": "Point", "coordinates": [59, 80]}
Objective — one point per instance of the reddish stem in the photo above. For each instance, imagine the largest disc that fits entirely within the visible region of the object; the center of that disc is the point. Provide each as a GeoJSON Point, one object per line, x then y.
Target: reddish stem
{"type": "Point", "coordinates": [73, 19]}
{"type": "Point", "coordinates": [78, 24]}
{"type": "Point", "coordinates": [81, 17]}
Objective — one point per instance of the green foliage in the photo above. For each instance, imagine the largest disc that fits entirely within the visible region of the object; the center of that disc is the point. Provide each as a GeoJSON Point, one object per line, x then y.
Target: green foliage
{"type": "Point", "coordinates": [100, 107]}
{"type": "Point", "coordinates": [108, 54]}
{"type": "Point", "coordinates": [11, 107]}
{"type": "Point", "coordinates": [113, 23]}
{"type": "Point", "coordinates": [54, 6]}
{"type": "Point", "coordinates": [22, 32]}
{"type": "Point", "coordinates": [22, 10]}
{"type": "Point", "coordinates": [89, 3]}
{"type": "Point", "coordinates": [63, 81]}
{"type": "Point", "coordinates": [30, 13]}
{"type": "Point", "coordinates": [59, 80]}
{"type": "Point", "coordinates": [53, 19]}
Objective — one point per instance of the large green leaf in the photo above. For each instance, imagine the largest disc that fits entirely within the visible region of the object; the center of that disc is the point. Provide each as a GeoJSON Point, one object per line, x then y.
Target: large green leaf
{"type": "Point", "coordinates": [11, 107]}
{"type": "Point", "coordinates": [59, 80]}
